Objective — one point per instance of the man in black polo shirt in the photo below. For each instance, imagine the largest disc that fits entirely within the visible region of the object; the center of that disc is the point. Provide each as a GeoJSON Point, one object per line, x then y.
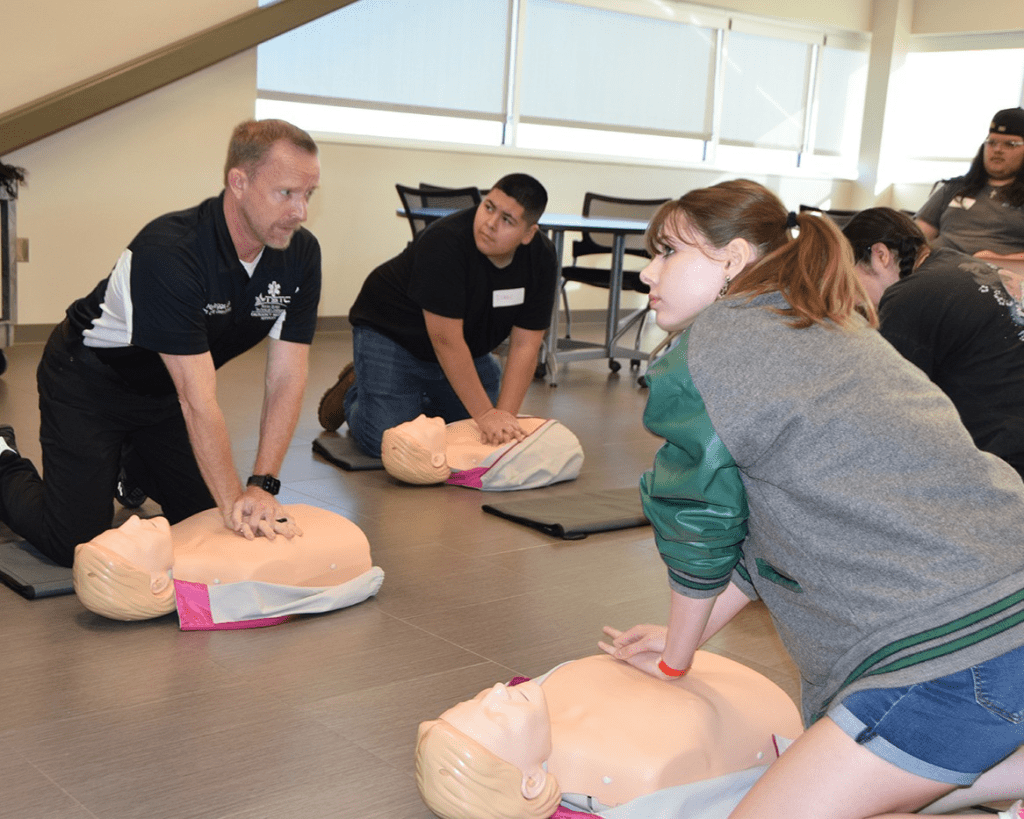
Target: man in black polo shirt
{"type": "Point", "coordinates": [425, 322]}
{"type": "Point", "coordinates": [133, 365]}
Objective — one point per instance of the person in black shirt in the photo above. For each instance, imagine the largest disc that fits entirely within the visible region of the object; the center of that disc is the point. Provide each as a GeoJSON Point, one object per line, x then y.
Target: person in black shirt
{"type": "Point", "coordinates": [425, 322]}
{"type": "Point", "coordinates": [959, 318]}
{"type": "Point", "coordinates": [132, 368]}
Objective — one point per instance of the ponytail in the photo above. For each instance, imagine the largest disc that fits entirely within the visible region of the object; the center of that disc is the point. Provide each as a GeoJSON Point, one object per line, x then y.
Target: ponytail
{"type": "Point", "coordinates": [814, 271]}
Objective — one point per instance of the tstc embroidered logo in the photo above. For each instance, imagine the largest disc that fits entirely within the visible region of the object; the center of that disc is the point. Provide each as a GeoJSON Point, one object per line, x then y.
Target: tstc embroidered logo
{"type": "Point", "coordinates": [272, 305]}
{"type": "Point", "coordinates": [218, 308]}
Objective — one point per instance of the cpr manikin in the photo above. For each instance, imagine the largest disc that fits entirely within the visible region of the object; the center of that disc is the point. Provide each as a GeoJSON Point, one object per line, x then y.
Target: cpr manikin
{"type": "Point", "coordinates": [146, 568]}
{"type": "Point", "coordinates": [598, 733]}
{"type": "Point", "coordinates": [426, 451]}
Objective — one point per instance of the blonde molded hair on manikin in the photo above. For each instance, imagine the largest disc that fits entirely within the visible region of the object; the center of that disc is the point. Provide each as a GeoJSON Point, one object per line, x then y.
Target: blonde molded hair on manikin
{"type": "Point", "coordinates": [107, 584]}
{"type": "Point", "coordinates": [406, 458]}
{"type": "Point", "coordinates": [460, 779]}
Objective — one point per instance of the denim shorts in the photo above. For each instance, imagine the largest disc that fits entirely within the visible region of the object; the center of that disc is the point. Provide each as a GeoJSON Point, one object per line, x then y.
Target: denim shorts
{"type": "Point", "coordinates": [951, 729]}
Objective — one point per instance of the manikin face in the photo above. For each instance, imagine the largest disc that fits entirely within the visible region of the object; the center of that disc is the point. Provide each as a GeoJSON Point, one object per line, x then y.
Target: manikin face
{"type": "Point", "coordinates": [499, 227]}
{"type": "Point", "coordinates": [685, 277]}
{"type": "Point", "coordinates": [429, 433]}
{"type": "Point", "coordinates": [272, 200]}
{"type": "Point", "coordinates": [1002, 162]}
{"type": "Point", "coordinates": [511, 722]}
{"type": "Point", "coordinates": [145, 544]}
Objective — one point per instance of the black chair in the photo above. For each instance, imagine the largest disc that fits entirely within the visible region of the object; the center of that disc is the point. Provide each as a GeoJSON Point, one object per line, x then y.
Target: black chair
{"type": "Point", "coordinates": [592, 243]}
{"type": "Point", "coordinates": [840, 217]}
{"type": "Point", "coordinates": [430, 186]}
{"type": "Point", "coordinates": [434, 197]}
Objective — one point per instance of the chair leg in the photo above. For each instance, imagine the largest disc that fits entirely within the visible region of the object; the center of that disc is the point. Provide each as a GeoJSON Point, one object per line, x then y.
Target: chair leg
{"type": "Point", "coordinates": [568, 315]}
{"type": "Point", "coordinates": [640, 325]}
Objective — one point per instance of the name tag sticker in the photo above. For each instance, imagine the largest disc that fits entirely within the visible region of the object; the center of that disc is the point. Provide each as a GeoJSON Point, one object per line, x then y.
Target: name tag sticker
{"type": "Point", "coordinates": [508, 298]}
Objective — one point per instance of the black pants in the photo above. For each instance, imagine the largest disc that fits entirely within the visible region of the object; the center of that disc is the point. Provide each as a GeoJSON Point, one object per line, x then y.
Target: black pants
{"type": "Point", "coordinates": [87, 414]}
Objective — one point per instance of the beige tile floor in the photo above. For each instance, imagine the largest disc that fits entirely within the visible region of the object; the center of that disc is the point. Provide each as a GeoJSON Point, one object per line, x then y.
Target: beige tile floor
{"type": "Point", "coordinates": [317, 717]}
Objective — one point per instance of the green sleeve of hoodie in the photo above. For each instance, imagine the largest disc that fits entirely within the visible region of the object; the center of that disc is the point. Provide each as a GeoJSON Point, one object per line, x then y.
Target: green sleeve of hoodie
{"type": "Point", "coordinates": [694, 496]}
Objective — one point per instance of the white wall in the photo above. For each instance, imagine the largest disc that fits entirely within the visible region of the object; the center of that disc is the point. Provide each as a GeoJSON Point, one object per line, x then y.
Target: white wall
{"type": "Point", "coordinates": [956, 16]}
{"type": "Point", "coordinates": [93, 186]}
{"type": "Point", "coordinates": [50, 44]}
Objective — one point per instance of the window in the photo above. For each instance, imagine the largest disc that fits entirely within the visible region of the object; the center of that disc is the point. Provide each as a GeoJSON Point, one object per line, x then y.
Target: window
{"type": "Point", "coordinates": [981, 82]}
{"type": "Point", "coordinates": [393, 67]}
{"type": "Point", "coordinates": [766, 81]}
{"type": "Point", "coordinates": [647, 79]}
{"type": "Point", "coordinates": [839, 100]}
{"type": "Point", "coordinates": [618, 71]}
{"type": "Point", "coordinates": [927, 138]}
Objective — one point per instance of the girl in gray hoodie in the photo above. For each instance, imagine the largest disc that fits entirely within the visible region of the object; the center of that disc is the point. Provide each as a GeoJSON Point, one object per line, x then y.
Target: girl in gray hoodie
{"type": "Point", "coordinates": [807, 464]}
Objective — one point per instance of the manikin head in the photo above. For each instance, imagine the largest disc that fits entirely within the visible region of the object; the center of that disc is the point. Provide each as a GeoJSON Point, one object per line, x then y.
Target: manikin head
{"type": "Point", "coordinates": [414, 452]}
{"type": "Point", "coordinates": [483, 758]}
{"type": "Point", "coordinates": [125, 573]}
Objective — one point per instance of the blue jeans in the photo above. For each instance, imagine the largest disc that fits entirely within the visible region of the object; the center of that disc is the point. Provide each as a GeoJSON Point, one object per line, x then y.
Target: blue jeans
{"type": "Point", "coordinates": [951, 729]}
{"type": "Point", "coordinates": [393, 386]}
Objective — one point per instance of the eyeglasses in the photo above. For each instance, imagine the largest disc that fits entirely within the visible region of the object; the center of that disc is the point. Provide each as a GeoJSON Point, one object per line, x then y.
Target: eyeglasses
{"type": "Point", "coordinates": [997, 143]}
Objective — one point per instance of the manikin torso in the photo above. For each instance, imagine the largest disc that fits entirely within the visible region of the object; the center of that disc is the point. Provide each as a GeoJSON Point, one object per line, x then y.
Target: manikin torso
{"type": "Point", "coordinates": [465, 448]}
{"type": "Point", "coordinates": [609, 731]}
{"type": "Point", "coordinates": [718, 719]}
{"type": "Point", "coordinates": [331, 550]}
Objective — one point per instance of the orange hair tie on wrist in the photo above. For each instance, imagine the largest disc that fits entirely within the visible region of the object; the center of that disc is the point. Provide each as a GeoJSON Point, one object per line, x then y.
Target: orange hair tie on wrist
{"type": "Point", "coordinates": [668, 671]}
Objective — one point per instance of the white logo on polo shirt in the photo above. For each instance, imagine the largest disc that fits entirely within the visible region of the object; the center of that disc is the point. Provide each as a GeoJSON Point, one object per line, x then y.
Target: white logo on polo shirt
{"type": "Point", "coordinates": [272, 305]}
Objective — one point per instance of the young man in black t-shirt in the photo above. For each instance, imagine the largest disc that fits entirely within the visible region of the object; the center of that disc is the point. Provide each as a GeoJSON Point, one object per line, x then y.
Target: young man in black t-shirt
{"type": "Point", "coordinates": [425, 322]}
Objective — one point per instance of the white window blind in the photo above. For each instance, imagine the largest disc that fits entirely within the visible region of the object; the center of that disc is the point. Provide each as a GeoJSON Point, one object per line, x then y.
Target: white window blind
{"type": "Point", "coordinates": [765, 91]}
{"type": "Point", "coordinates": [842, 86]}
{"type": "Point", "coordinates": [594, 67]}
{"type": "Point", "coordinates": [448, 56]}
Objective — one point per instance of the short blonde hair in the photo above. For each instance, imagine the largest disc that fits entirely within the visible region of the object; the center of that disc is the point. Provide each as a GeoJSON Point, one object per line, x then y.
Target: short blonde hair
{"type": "Point", "coordinates": [252, 140]}
{"type": "Point", "coordinates": [109, 585]}
{"type": "Point", "coordinates": [460, 779]}
{"type": "Point", "coordinates": [408, 460]}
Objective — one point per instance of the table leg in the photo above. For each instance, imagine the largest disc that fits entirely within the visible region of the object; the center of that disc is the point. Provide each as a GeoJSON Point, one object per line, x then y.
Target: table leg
{"type": "Point", "coordinates": [550, 346]}
{"type": "Point", "coordinates": [614, 294]}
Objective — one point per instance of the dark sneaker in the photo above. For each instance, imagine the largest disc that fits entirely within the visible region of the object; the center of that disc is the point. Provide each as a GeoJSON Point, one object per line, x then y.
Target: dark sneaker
{"type": "Point", "coordinates": [127, 493]}
{"type": "Point", "coordinates": [331, 411]}
{"type": "Point", "coordinates": [7, 442]}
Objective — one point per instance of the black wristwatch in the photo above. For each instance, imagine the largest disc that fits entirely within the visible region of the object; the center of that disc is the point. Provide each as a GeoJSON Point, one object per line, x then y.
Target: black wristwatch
{"type": "Point", "coordinates": [268, 483]}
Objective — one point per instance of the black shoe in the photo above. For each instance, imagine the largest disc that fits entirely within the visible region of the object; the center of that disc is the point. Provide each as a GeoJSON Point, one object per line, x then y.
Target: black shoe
{"type": "Point", "coordinates": [126, 493]}
{"type": "Point", "coordinates": [10, 444]}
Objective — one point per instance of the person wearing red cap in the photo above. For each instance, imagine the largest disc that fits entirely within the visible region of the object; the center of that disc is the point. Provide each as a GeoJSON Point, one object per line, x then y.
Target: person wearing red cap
{"type": "Point", "coordinates": [982, 212]}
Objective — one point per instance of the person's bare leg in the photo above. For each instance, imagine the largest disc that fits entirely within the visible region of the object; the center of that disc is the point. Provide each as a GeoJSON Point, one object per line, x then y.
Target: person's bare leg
{"type": "Point", "coordinates": [1005, 781]}
{"type": "Point", "coordinates": [826, 775]}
